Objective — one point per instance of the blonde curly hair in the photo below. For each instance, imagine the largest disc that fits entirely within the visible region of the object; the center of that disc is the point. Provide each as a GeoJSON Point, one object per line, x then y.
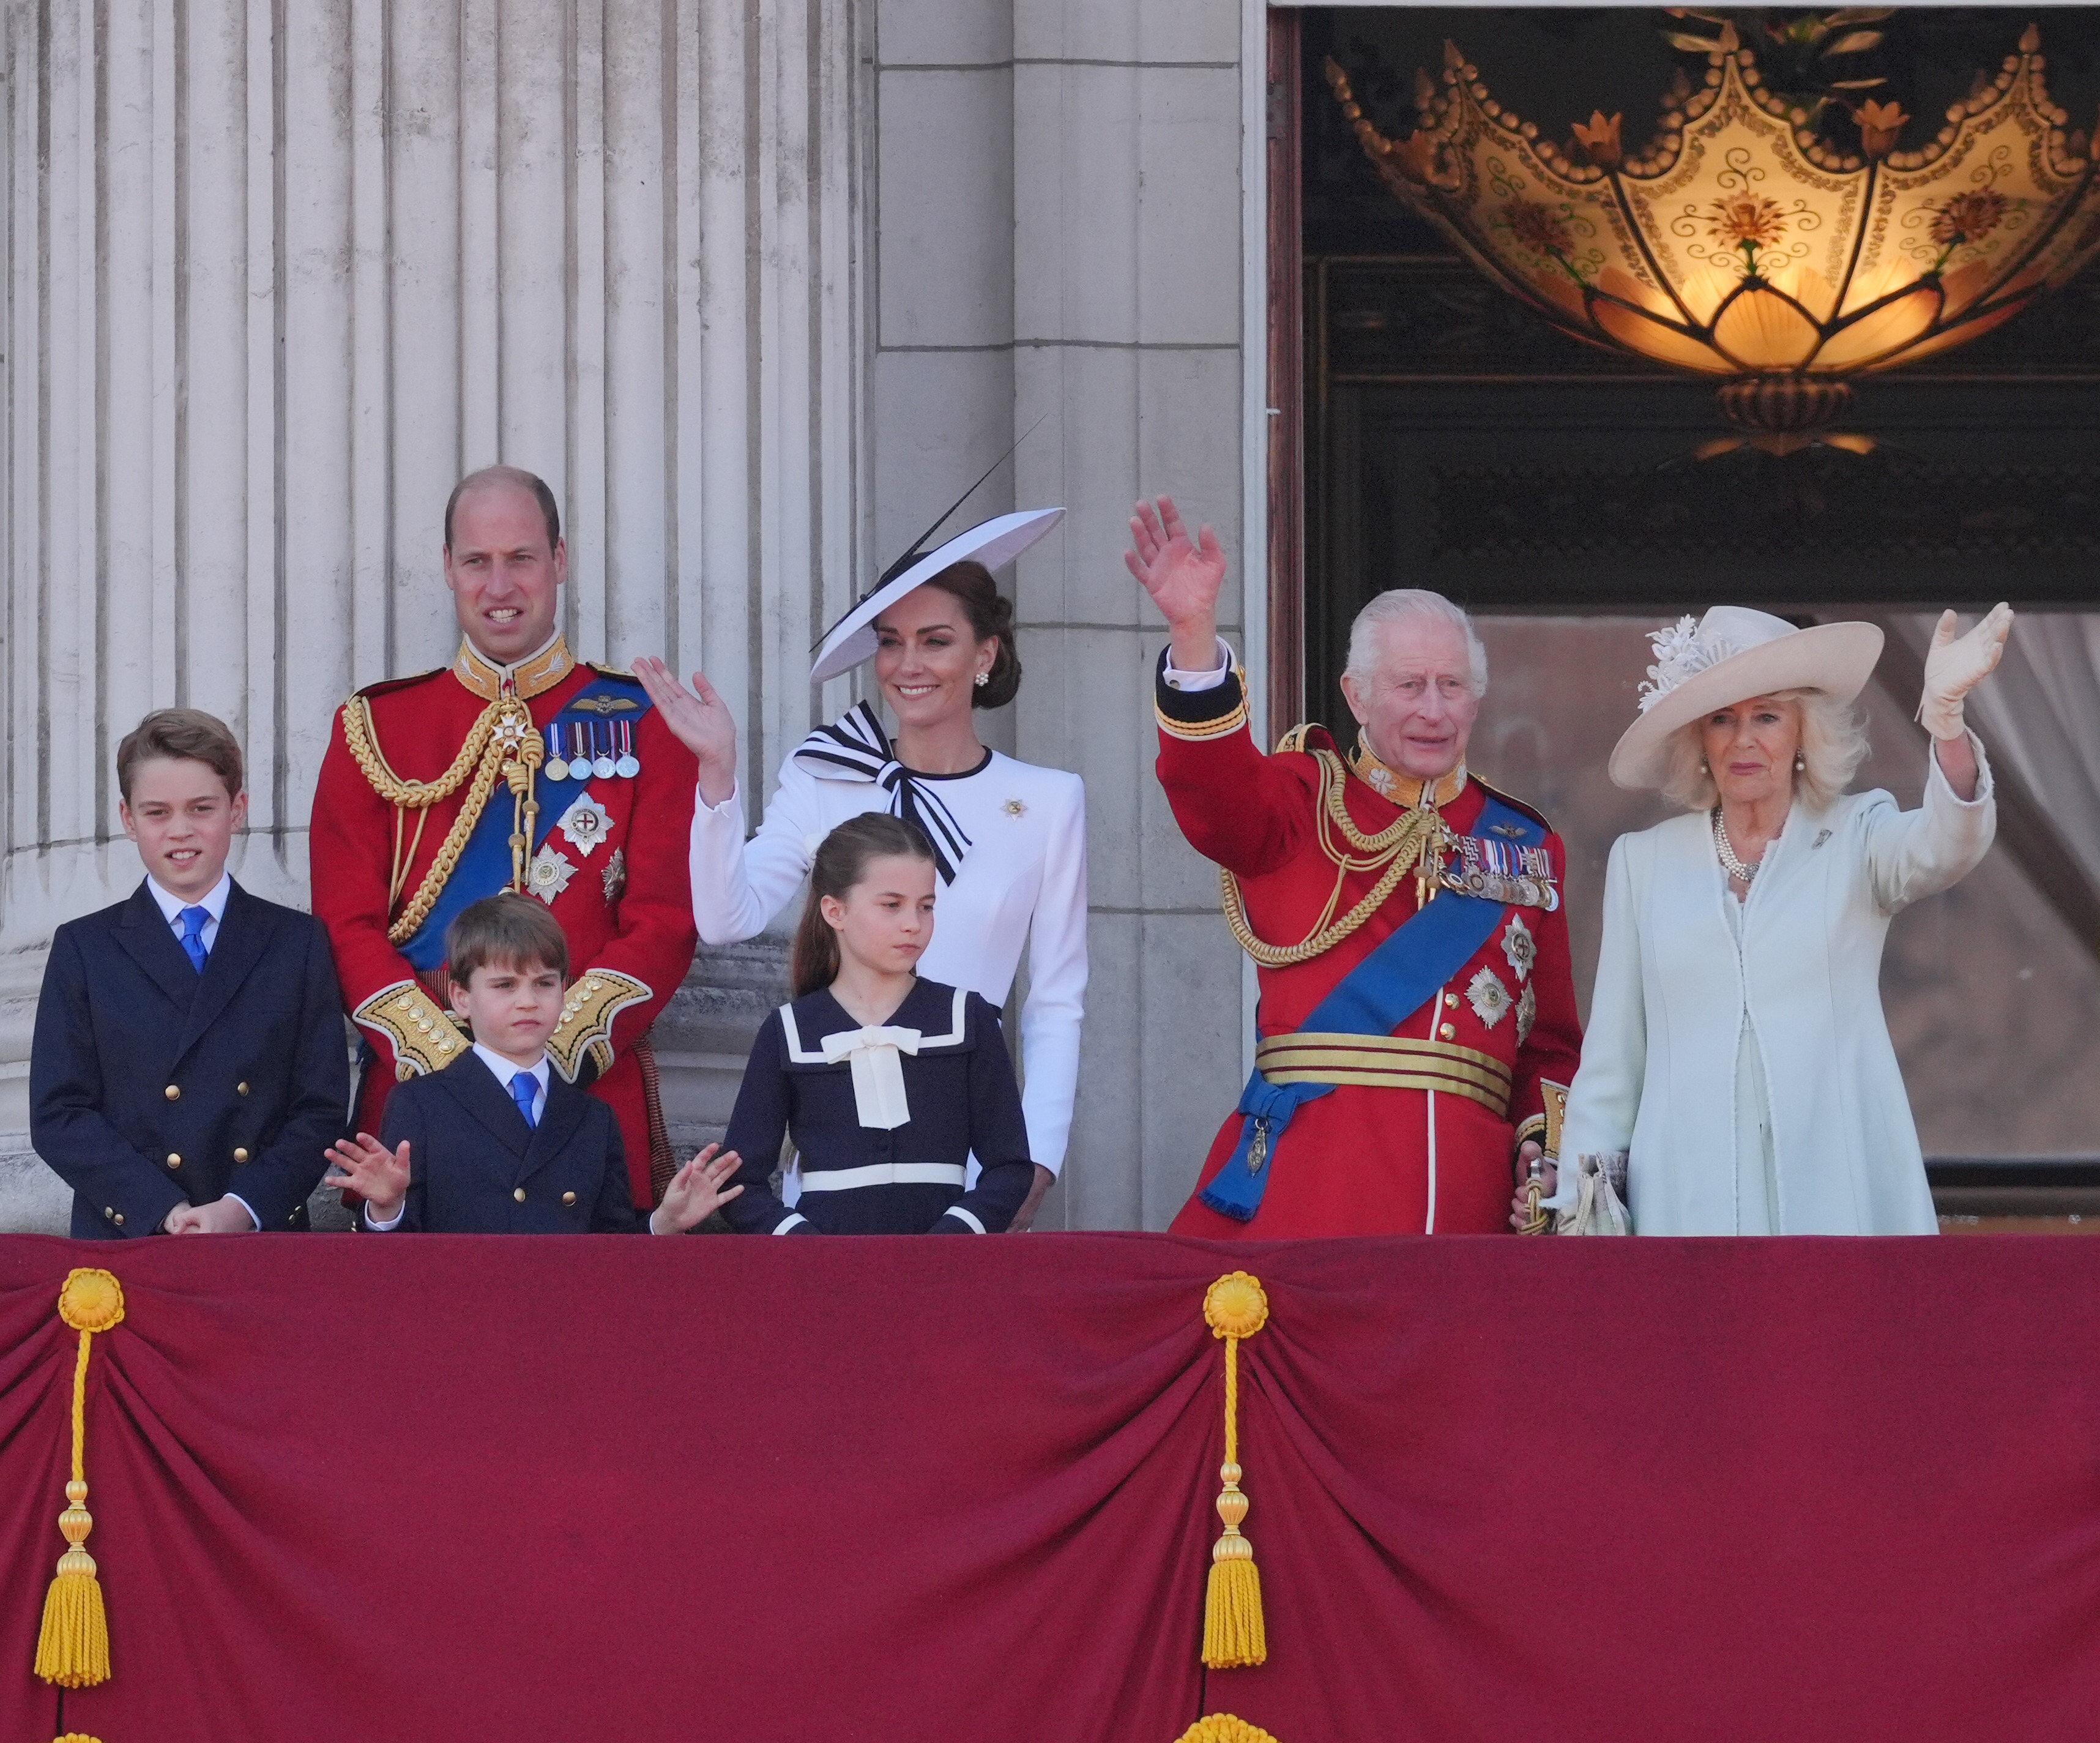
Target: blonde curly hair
{"type": "Point", "coordinates": [1833, 744]}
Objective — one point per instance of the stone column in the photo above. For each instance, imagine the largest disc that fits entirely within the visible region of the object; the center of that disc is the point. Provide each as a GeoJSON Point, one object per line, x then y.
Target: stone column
{"type": "Point", "coordinates": [276, 274]}
{"type": "Point", "coordinates": [1060, 208]}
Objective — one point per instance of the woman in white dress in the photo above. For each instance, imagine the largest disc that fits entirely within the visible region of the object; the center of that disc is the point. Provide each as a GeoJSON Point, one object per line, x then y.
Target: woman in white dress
{"type": "Point", "coordinates": [1737, 1066]}
{"type": "Point", "coordinates": [1009, 838]}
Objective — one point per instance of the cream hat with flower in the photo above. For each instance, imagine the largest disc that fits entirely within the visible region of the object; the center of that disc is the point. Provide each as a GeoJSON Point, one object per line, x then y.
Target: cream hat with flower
{"type": "Point", "coordinates": [1727, 656]}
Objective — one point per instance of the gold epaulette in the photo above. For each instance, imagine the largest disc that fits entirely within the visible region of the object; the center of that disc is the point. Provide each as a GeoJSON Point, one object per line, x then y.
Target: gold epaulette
{"type": "Point", "coordinates": [593, 999]}
{"type": "Point", "coordinates": [1295, 738]}
{"type": "Point", "coordinates": [423, 1036]}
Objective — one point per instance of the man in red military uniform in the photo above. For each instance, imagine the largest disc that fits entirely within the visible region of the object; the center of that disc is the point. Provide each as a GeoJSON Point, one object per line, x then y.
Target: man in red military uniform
{"type": "Point", "coordinates": [1417, 1027]}
{"type": "Point", "coordinates": [517, 767]}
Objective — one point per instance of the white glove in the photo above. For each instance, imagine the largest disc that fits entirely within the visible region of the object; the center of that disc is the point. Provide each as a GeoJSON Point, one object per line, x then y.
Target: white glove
{"type": "Point", "coordinates": [1953, 667]}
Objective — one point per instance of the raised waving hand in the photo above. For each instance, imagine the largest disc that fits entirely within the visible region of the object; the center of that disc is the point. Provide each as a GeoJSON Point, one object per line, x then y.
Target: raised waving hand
{"type": "Point", "coordinates": [700, 720]}
{"type": "Point", "coordinates": [1183, 575]}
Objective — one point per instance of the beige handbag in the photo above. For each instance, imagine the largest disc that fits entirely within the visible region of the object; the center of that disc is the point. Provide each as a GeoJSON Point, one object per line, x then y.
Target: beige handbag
{"type": "Point", "coordinates": [1600, 1205]}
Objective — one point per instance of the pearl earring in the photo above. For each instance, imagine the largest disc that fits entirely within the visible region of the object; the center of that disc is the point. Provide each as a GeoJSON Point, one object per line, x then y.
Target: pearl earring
{"type": "Point", "coordinates": [1800, 763]}
{"type": "Point", "coordinates": [983, 679]}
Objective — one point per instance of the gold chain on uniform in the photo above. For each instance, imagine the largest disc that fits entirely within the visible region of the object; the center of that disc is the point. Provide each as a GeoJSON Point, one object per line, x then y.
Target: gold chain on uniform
{"type": "Point", "coordinates": [486, 751]}
{"type": "Point", "coordinates": [1414, 842]}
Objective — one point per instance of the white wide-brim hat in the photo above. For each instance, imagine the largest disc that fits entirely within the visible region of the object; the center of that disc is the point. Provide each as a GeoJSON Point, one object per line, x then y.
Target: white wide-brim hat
{"type": "Point", "coordinates": [1729, 655]}
{"type": "Point", "coordinates": [994, 543]}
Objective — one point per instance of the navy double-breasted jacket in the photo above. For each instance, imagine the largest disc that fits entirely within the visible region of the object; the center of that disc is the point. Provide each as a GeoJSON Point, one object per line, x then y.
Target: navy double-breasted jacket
{"type": "Point", "coordinates": [151, 1085]}
{"type": "Point", "coordinates": [475, 1167]}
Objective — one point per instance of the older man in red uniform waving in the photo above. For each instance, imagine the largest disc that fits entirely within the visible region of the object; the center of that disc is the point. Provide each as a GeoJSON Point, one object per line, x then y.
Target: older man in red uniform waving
{"type": "Point", "coordinates": [1417, 1027]}
{"type": "Point", "coordinates": [517, 767]}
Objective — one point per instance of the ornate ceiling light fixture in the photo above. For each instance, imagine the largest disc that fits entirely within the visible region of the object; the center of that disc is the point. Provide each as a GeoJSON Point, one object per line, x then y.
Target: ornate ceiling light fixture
{"type": "Point", "coordinates": [1740, 243]}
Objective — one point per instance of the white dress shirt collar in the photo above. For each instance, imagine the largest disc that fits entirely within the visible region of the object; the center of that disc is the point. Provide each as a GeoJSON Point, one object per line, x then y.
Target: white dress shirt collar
{"type": "Point", "coordinates": [214, 902]}
{"type": "Point", "coordinates": [504, 1069]}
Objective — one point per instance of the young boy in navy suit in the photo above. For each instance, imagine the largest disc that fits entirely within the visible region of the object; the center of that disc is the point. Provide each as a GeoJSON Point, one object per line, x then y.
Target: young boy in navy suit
{"type": "Point", "coordinates": [189, 1069]}
{"type": "Point", "coordinates": [497, 1143]}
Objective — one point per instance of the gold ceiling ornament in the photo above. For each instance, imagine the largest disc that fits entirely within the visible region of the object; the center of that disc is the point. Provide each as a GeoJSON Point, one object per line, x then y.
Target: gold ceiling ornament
{"type": "Point", "coordinates": [1741, 245]}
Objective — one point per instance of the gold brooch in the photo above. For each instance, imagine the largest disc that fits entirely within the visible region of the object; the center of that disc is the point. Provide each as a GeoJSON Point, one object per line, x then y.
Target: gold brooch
{"type": "Point", "coordinates": [1014, 808]}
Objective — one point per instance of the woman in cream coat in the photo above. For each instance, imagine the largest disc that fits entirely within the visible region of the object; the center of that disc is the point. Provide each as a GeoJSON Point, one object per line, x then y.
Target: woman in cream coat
{"type": "Point", "coordinates": [1737, 1064]}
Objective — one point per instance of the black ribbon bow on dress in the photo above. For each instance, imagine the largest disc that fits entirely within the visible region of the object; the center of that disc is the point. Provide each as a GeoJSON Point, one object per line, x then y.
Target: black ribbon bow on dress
{"type": "Point", "coordinates": [854, 748]}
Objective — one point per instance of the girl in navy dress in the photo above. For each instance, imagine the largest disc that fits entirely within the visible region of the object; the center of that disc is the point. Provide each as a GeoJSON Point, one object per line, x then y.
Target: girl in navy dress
{"type": "Point", "coordinates": [887, 1083]}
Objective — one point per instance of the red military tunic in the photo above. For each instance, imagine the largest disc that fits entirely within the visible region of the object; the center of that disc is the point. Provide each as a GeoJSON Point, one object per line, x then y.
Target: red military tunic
{"type": "Point", "coordinates": [1360, 1159]}
{"type": "Point", "coordinates": [615, 878]}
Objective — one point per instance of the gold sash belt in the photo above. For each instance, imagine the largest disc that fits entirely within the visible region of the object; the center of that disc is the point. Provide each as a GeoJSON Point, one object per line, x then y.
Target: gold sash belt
{"type": "Point", "coordinates": [1385, 1062]}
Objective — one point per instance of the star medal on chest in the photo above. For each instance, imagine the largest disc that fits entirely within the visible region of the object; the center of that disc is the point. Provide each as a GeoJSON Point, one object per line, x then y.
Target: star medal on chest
{"type": "Point", "coordinates": [586, 823]}
{"type": "Point", "coordinates": [1520, 948]}
{"type": "Point", "coordinates": [1489, 997]}
{"type": "Point", "coordinates": [549, 873]}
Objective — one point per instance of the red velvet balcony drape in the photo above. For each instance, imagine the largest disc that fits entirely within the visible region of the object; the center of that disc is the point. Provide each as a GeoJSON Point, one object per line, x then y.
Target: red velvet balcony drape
{"type": "Point", "coordinates": [894, 1490]}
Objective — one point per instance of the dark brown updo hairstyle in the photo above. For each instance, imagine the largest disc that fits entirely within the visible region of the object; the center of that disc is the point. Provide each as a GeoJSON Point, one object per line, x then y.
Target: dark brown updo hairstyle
{"type": "Point", "coordinates": [991, 614]}
{"type": "Point", "coordinates": [840, 862]}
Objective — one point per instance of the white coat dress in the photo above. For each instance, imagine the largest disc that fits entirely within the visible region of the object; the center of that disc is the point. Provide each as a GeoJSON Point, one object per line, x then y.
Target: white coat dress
{"type": "Point", "coordinates": [1659, 1076]}
{"type": "Point", "coordinates": [1022, 881]}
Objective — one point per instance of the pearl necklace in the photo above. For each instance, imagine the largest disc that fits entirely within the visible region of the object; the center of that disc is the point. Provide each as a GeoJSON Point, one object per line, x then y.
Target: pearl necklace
{"type": "Point", "coordinates": [1730, 863]}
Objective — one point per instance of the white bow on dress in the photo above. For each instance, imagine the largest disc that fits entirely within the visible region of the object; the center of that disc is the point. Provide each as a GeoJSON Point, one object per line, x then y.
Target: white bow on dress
{"type": "Point", "coordinates": [875, 1055]}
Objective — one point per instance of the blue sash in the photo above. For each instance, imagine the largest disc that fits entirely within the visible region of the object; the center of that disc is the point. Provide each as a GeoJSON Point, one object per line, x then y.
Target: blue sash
{"type": "Point", "coordinates": [1389, 987]}
{"type": "Point", "coordinates": [483, 868]}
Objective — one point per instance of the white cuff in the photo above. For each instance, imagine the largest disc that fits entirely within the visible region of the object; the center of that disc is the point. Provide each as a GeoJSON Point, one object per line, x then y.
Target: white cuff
{"type": "Point", "coordinates": [245, 1206]}
{"type": "Point", "coordinates": [377, 1227]}
{"type": "Point", "coordinates": [1177, 679]}
{"type": "Point", "coordinates": [732, 803]}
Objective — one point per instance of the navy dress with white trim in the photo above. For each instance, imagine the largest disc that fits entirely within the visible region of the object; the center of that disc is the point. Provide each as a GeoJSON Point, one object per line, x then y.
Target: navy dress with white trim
{"type": "Point", "coordinates": [885, 1117]}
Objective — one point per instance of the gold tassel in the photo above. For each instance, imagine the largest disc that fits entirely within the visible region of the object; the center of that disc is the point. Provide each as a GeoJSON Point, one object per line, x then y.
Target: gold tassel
{"type": "Point", "coordinates": [1234, 1307]}
{"type": "Point", "coordinates": [73, 1648]}
{"type": "Point", "coordinates": [1215, 1728]}
{"type": "Point", "coordinates": [77, 1736]}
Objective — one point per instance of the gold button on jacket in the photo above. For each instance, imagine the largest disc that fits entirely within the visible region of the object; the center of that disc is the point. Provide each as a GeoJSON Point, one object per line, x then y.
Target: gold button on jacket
{"type": "Point", "coordinates": [241, 1155]}
{"type": "Point", "coordinates": [173, 1160]}
{"type": "Point", "coordinates": [519, 1195]}
{"type": "Point", "coordinates": [172, 1092]}
{"type": "Point", "coordinates": [240, 1089]}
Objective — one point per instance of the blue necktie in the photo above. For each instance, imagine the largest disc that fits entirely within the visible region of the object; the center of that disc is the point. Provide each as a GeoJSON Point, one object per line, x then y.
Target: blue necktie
{"type": "Point", "coordinates": [522, 1089]}
{"type": "Point", "coordinates": [194, 921]}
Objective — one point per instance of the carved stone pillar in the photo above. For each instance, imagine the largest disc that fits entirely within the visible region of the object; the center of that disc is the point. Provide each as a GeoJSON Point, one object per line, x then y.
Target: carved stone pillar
{"type": "Point", "coordinates": [276, 275]}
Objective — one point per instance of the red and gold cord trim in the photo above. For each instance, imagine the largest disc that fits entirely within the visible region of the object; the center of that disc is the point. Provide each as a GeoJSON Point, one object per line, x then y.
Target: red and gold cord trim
{"type": "Point", "coordinates": [1374, 1061]}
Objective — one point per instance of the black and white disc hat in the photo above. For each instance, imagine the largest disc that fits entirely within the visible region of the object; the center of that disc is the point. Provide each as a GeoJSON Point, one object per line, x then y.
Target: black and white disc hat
{"type": "Point", "coordinates": [994, 543]}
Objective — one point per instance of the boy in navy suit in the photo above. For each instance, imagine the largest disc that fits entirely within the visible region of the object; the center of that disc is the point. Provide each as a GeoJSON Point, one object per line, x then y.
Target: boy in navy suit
{"type": "Point", "coordinates": [189, 1069]}
{"type": "Point", "coordinates": [497, 1143]}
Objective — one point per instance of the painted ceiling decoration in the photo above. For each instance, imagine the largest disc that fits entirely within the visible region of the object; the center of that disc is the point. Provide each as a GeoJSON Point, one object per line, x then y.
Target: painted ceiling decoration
{"type": "Point", "coordinates": [1742, 244]}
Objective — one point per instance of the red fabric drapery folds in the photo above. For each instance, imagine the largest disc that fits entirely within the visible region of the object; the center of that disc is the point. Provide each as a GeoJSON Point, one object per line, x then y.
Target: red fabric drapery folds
{"type": "Point", "coordinates": [878, 1489]}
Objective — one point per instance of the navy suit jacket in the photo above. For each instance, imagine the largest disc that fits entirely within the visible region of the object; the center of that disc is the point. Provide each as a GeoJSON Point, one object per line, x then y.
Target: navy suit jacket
{"type": "Point", "coordinates": [151, 1085]}
{"type": "Point", "coordinates": [475, 1167]}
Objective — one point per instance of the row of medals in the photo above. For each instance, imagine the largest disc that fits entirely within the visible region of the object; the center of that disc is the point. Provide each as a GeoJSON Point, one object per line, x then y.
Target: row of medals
{"type": "Point", "coordinates": [591, 758]}
{"type": "Point", "coordinates": [1470, 876]}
